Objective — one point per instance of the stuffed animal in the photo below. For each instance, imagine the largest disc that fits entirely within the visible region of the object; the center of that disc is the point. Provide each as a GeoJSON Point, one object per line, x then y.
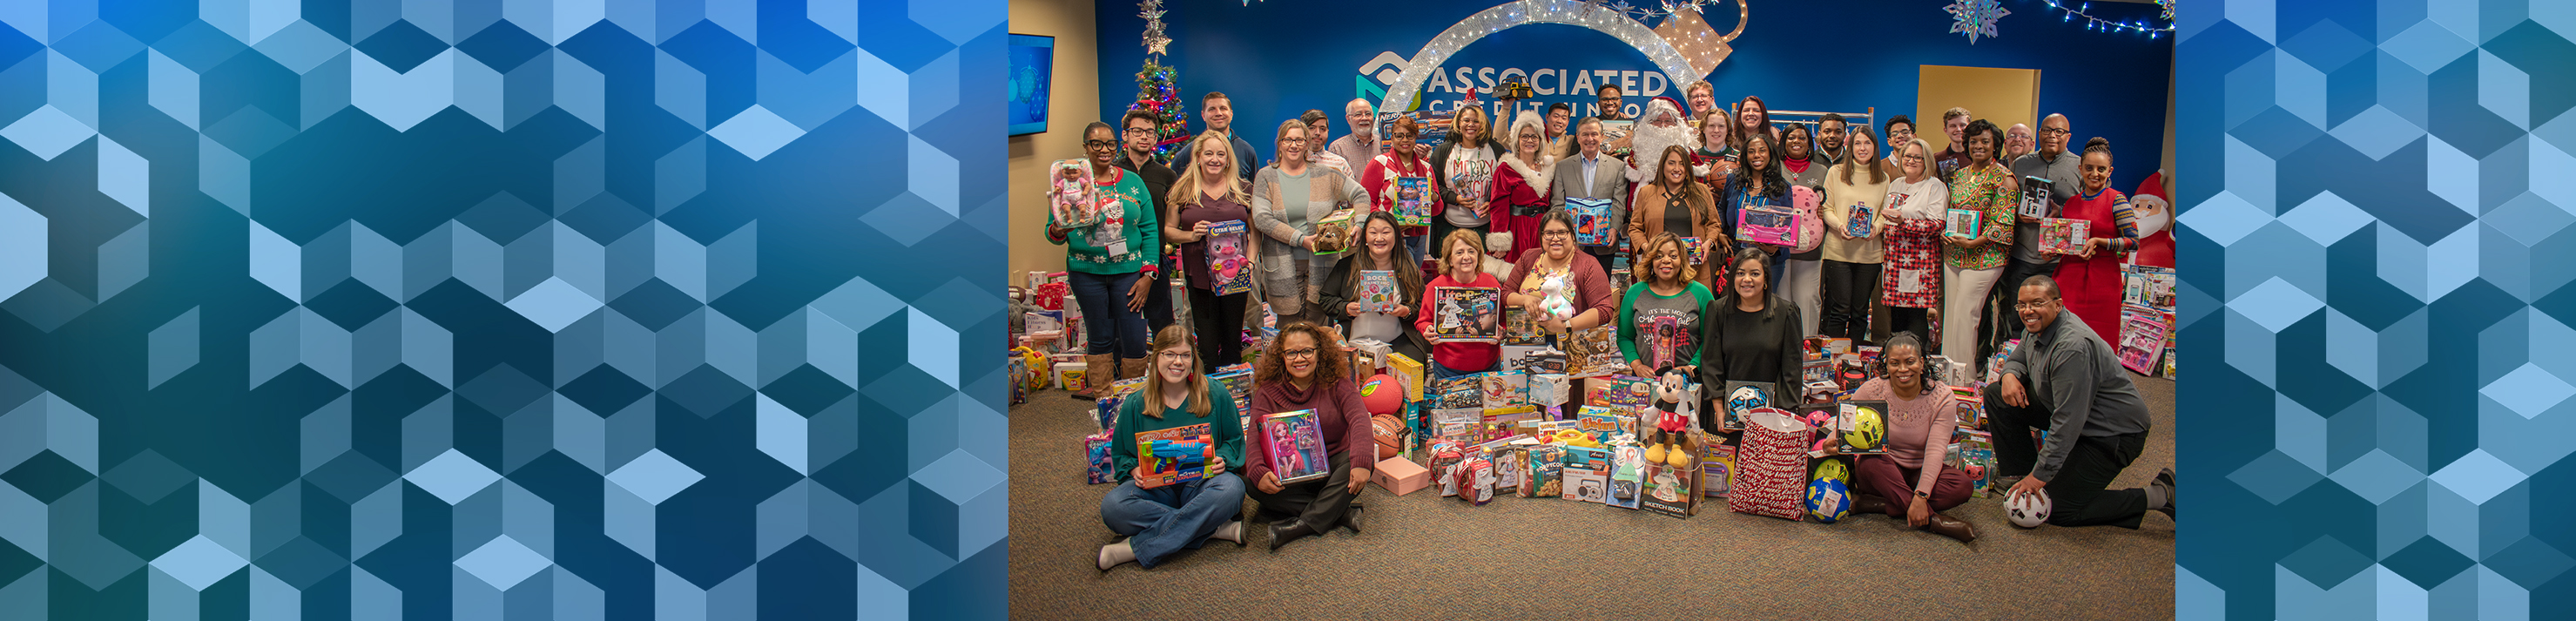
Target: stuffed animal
{"type": "Point", "coordinates": [1553, 299]}
{"type": "Point", "coordinates": [1676, 405]}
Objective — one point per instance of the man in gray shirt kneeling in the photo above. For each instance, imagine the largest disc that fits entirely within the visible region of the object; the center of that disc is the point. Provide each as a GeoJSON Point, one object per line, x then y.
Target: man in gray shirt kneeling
{"type": "Point", "coordinates": [2065, 379]}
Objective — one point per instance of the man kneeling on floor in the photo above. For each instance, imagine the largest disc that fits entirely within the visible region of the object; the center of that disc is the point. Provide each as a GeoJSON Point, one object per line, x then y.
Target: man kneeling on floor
{"type": "Point", "coordinates": [2065, 379]}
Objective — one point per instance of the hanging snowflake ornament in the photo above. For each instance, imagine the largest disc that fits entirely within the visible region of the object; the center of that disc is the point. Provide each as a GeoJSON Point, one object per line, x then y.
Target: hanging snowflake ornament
{"type": "Point", "coordinates": [2167, 6]}
{"type": "Point", "coordinates": [1976, 18]}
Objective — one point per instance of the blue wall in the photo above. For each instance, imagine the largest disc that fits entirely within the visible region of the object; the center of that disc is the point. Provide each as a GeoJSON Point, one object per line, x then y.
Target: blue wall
{"type": "Point", "coordinates": [1278, 58]}
{"type": "Point", "coordinates": [344, 309]}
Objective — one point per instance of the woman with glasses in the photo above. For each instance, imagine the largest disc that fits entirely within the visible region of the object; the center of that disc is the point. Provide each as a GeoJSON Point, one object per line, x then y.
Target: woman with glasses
{"type": "Point", "coordinates": [1521, 184]}
{"type": "Point", "coordinates": [1750, 334]}
{"type": "Point", "coordinates": [1160, 521]}
{"type": "Point", "coordinates": [1403, 158]}
{"type": "Point", "coordinates": [1305, 370]}
{"type": "Point", "coordinates": [1288, 198]}
{"type": "Point", "coordinates": [1110, 266]}
{"type": "Point", "coordinates": [1986, 186]}
{"type": "Point", "coordinates": [1920, 205]}
{"type": "Point", "coordinates": [1589, 291]}
{"type": "Point", "coordinates": [1659, 318]}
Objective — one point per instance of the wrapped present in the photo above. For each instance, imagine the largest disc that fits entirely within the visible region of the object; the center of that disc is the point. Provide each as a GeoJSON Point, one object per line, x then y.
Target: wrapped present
{"type": "Point", "coordinates": [1103, 468]}
{"type": "Point", "coordinates": [1051, 295]}
{"type": "Point", "coordinates": [1401, 476]}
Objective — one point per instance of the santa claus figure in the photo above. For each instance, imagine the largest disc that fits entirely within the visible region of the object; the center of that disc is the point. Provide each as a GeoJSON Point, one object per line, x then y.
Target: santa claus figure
{"type": "Point", "coordinates": [2155, 215]}
{"type": "Point", "coordinates": [1660, 127]}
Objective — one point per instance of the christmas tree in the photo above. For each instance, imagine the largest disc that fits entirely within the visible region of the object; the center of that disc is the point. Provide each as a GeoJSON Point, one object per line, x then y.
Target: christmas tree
{"type": "Point", "coordinates": [1157, 88]}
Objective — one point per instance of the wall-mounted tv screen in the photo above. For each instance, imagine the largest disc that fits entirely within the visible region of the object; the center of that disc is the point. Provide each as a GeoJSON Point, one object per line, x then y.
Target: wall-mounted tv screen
{"type": "Point", "coordinates": [1032, 78]}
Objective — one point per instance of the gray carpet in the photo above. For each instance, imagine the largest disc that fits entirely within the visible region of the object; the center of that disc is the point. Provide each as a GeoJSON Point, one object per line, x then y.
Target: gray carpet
{"type": "Point", "coordinates": [1428, 557]}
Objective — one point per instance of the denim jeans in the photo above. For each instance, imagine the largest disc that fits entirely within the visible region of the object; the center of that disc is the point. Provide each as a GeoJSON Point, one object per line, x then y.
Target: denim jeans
{"type": "Point", "coordinates": [1440, 372]}
{"type": "Point", "coordinates": [1168, 519]}
{"type": "Point", "coordinates": [1111, 328]}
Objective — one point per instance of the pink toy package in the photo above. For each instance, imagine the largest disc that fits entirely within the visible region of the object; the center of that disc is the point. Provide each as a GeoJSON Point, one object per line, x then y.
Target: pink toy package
{"type": "Point", "coordinates": [1229, 257]}
{"type": "Point", "coordinates": [1072, 197]}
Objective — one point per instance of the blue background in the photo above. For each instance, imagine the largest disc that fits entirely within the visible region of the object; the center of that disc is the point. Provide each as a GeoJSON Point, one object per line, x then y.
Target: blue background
{"type": "Point", "coordinates": [1276, 60]}
{"type": "Point", "coordinates": [364, 309]}
{"type": "Point", "coordinates": [2375, 258]}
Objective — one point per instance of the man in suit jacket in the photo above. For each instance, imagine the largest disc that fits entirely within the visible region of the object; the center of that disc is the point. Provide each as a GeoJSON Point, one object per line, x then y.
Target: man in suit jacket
{"type": "Point", "coordinates": [1589, 173]}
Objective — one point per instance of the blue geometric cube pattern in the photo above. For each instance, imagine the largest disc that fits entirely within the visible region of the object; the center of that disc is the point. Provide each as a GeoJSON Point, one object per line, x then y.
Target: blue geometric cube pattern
{"type": "Point", "coordinates": [2377, 253]}
{"type": "Point", "coordinates": [377, 309]}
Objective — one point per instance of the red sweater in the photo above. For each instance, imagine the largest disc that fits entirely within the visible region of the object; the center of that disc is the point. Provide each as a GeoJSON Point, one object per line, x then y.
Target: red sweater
{"type": "Point", "coordinates": [1511, 189]}
{"type": "Point", "coordinates": [1337, 407]}
{"type": "Point", "coordinates": [1468, 357]}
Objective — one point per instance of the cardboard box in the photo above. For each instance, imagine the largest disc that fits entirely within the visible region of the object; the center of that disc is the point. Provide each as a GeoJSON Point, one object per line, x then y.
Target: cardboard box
{"type": "Point", "coordinates": [1408, 372]}
{"type": "Point", "coordinates": [1069, 374]}
{"type": "Point", "coordinates": [1400, 475]}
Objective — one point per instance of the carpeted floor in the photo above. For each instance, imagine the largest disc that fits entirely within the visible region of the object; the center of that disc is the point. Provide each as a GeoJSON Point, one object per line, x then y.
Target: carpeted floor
{"type": "Point", "coordinates": [1429, 557]}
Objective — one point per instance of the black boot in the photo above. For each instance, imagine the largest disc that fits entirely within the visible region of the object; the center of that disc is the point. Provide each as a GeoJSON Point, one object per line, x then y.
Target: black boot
{"type": "Point", "coordinates": [1286, 531]}
{"type": "Point", "coordinates": [2165, 481]}
{"type": "Point", "coordinates": [1351, 519]}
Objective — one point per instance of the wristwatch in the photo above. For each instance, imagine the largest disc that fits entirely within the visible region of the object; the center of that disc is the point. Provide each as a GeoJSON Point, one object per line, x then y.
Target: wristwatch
{"type": "Point", "coordinates": [1922, 494]}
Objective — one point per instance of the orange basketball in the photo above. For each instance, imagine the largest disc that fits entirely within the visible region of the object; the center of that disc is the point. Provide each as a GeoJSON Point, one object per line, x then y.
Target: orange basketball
{"type": "Point", "coordinates": [1390, 434]}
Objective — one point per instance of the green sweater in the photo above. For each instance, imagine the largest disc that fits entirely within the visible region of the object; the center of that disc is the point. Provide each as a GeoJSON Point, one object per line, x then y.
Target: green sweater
{"type": "Point", "coordinates": [1086, 249]}
{"type": "Point", "coordinates": [1223, 422]}
{"type": "Point", "coordinates": [1683, 309]}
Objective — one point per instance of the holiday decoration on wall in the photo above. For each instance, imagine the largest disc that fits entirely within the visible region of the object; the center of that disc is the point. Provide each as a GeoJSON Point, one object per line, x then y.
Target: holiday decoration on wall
{"type": "Point", "coordinates": [1684, 47]}
{"type": "Point", "coordinates": [2069, 13]}
{"type": "Point", "coordinates": [1976, 18]}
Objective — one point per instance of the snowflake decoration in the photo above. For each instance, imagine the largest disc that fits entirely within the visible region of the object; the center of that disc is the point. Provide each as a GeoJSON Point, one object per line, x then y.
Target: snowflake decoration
{"type": "Point", "coordinates": [1975, 17]}
{"type": "Point", "coordinates": [2167, 6]}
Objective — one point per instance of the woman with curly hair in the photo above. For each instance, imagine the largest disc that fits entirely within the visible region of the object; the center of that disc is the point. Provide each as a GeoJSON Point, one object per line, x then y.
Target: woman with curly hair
{"type": "Point", "coordinates": [1305, 370]}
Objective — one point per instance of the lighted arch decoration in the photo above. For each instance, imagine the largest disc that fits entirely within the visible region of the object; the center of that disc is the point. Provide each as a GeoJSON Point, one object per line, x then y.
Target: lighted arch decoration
{"type": "Point", "coordinates": [1665, 45]}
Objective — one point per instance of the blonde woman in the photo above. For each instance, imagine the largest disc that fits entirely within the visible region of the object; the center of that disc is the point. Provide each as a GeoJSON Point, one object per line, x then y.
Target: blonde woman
{"type": "Point", "coordinates": [1207, 193]}
{"type": "Point", "coordinates": [1162, 520]}
{"type": "Point", "coordinates": [1521, 184]}
{"type": "Point", "coordinates": [1288, 198]}
{"type": "Point", "coordinates": [1463, 167]}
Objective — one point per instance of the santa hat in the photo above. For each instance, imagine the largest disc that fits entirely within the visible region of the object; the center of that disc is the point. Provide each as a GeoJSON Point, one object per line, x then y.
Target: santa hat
{"type": "Point", "coordinates": [2153, 186]}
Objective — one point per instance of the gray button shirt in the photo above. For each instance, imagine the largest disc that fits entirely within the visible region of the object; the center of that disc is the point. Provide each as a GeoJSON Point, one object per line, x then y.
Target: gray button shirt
{"type": "Point", "coordinates": [2071, 372]}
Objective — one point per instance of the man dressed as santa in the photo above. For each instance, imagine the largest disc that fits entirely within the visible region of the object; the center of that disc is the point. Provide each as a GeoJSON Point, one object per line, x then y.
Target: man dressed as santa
{"type": "Point", "coordinates": [1660, 127]}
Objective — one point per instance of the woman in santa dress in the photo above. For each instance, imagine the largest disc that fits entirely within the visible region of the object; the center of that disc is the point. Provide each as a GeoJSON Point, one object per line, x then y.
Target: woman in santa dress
{"type": "Point", "coordinates": [1521, 184]}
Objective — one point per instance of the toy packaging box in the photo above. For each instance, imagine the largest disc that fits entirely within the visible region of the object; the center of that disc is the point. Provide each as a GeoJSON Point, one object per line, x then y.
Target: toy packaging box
{"type": "Point", "coordinates": [2064, 235]}
{"type": "Point", "coordinates": [2142, 338]}
{"type": "Point", "coordinates": [1106, 405]}
{"type": "Point", "coordinates": [1229, 255]}
{"type": "Point", "coordinates": [1465, 391]}
{"type": "Point", "coordinates": [1549, 389]}
{"type": "Point", "coordinates": [1296, 446]}
{"type": "Point", "coordinates": [1467, 314]}
{"type": "Point", "coordinates": [1594, 352]}
{"type": "Point", "coordinates": [1964, 223]}
{"type": "Point", "coordinates": [1716, 469]}
{"type": "Point", "coordinates": [1501, 422]}
{"type": "Point", "coordinates": [1237, 380]}
{"type": "Point", "coordinates": [1586, 485]}
{"type": "Point", "coordinates": [1627, 476]}
{"type": "Point", "coordinates": [1175, 455]}
{"type": "Point", "coordinates": [1511, 469]}
{"type": "Point", "coordinates": [1861, 224]}
{"type": "Point", "coordinates": [1504, 389]}
{"type": "Point", "coordinates": [1400, 475]}
{"type": "Point", "coordinates": [1408, 372]}
{"type": "Point", "coordinates": [1333, 232]}
{"type": "Point", "coordinates": [1766, 223]}
{"type": "Point", "coordinates": [1103, 468]}
{"type": "Point", "coordinates": [1462, 425]}
{"type": "Point", "coordinates": [1862, 425]}
{"type": "Point", "coordinates": [1073, 196]}
{"type": "Point", "coordinates": [1377, 291]}
{"type": "Point", "coordinates": [1533, 359]}
{"type": "Point", "coordinates": [1546, 477]}
{"type": "Point", "coordinates": [2147, 285]}
{"type": "Point", "coordinates": [1413, 201]}
{"type": "Point", "coordinates": [1520, 329]}
{"type": "Point", "coordinates": [1591, 220]}
{"type": "Point", "coordinates": [1741, 398]}
{"type": "Point", "coordinates": [1622, 390]}
{"type": "Point", "coordinates": [1971, 405]}
{"type": "Point", "coordinates": [1603, 423]}
{"type": "Point", "coordinates": [1616, 133]}
{"type": "Point", "coordinates": [1671, 491]}
{"type": "Point", "coordinates": [2034, 197]}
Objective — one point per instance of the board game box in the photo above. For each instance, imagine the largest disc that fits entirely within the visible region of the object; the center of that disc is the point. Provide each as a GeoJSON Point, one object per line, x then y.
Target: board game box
{"type": "Point", "coordinates": [1467, 314]}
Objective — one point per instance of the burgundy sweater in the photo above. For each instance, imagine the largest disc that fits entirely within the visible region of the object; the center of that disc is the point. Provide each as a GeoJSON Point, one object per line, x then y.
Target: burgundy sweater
{"type": "Point", "coordinates": [1591, 284]}
{"type": "Point", "coordinates": [1336, 405]}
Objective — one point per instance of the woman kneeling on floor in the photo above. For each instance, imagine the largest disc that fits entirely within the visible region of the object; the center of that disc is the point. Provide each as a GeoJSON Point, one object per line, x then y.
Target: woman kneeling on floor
{"type": "Point", "coordinates": [1162, 520]}
{"type": "Point", "coordinates": [1304, 369]}
{"type": "Point", "coordinates": [1922, 416]}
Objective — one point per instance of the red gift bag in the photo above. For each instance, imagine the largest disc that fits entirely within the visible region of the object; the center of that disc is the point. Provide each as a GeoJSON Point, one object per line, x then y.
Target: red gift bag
{"type": "Point", "coordinates": [1771, 466]}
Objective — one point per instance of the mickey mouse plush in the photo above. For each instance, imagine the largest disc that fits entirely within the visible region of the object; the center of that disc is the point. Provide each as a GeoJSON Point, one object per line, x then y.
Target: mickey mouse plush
{"type": "Point", "coordinates": [1676, 405]}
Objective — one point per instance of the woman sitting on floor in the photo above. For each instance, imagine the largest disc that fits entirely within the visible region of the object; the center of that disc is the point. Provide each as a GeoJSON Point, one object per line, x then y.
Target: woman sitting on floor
{"type": "Point", "coordinates": [1162, 520]}
{"type": "Point", "coordinates": [1305, 370]}
{"type": "Point", "coordinates": [1921, 416]}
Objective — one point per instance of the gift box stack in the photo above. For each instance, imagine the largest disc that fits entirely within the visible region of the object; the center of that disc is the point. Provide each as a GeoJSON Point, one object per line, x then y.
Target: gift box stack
{"type": "Point", "coordinates": [2147, 306]}
{"type": "Point", "coordinates": [1504, 434]}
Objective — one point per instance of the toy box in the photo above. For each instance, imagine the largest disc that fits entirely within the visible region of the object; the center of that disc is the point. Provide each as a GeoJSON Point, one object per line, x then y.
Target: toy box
{"type": "Point", "coordinates": [2035, 203]}
{"type": "Point", "coordinates": [1295, 446]}
{"type": "Point", "coordinates": [1103, 468]}
{"type": "Point", "coordinates": [1333, 232]}
{"type": "Point", "coordinates": [1586, 485]}
{"type": "Point", "coordinates": [1511, 469]}
{"type": "Point", "coordinates": [1461, 425]}
{"type": "Point", "coordinates": [2142, 338]}
{"type": "Point", "coordinates": [1069, 374]}
{"type": "Point", "coordinates": [1237, 380]}
{"type": "Point", "coordinates": [1546, 477]}
{"type": "Point", "coordinates": [1377, 291]}
{"type": "Point", "coordinates": [2064, 235]}
{"type": "Point", "coordinates": [1504, 389]}
{"type": "Point", "coordinates": [1520, 329]}
{"type": "Point", "coordinates": [1622, 390]}
{"type": "Point", "coordinates": [1964, 223]}
{"type": "Point", "coordinates": [1229, 255]}
{"type": "Point", "coordinates": [1533, 359]}
{"type": "Point", "coordinates": [1413, 201]}
{"type": "Point", "coordinates": [1594, 352]}
{"type": "Point", "coordinates": [1467, 314]}
{"type": "Point", "coordinates": [1971, 407]}
{"type": "Point", "coordinates": [1407, 371]}
{"type": "Point", "coordinates": [1627, 476]}
{"type": "Point", "coordinates": [1547, 389]}
{"type": "Point", "coordinates": [1500, 422]}
{"type": "Point", "coordinates": [1175, 455]}
{"type": "Point", "coordinates": [1861, 223]}
{"type": "Point", "coordinates": [1670, 491]}
{"type": "Point", "coordinates": [1591, 220]}
{"type": "Point", "coordinates": [1603, 423]}
{"type": "Point", "coordinates": [1073, 198]}
{"type": "Point", "coordinates": [1400, 475]}
{"type": "Point", "coordinates": [1105, 404]}
{"type": "Point", "coordinates": [1465, 391]}
{"type": "Point", "coordinates": [1716, 469]}
{"type": "Point", "coordinates": [1765, 223]}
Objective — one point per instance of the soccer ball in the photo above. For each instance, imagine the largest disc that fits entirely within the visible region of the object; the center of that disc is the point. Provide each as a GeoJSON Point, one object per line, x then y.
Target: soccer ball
{"type": "Point", "coordinates": [1828, 500]}
{"type": "Point", "coordinates": [2027, 510]}
{"type": "Point", "coordinates": [1868, 429]}
{"type": "Point", "coordinates": [1832, 470]}
{"type": "Point", "coordinates": [1745, 398]}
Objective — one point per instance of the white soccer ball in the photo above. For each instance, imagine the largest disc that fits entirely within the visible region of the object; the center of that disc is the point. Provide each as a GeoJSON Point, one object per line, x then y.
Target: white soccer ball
{"type": "Point", "coordinates": [2027, 510]}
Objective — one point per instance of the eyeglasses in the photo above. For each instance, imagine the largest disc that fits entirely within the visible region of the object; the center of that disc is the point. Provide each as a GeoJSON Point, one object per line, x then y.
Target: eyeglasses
{"type": "Point", "coordinates": [1176, 355]}
{"type": "Point", "coordinates": [1140, 130]}
{"type": "Point", "coordinates": [2023, 306]}
{"type": "Point", "coordinates": [2054, 131]}
{"type": "Point", "coordinates": [1098, 144]}
{"type": "Point", "coordinates": [1295, 140]}
{"type": "Point", "coordinates": [1556, 233]}
{"type": "Point", "coordinates": [1912, 158]}
{"type": "Point", "coordinates": [1297, 353]}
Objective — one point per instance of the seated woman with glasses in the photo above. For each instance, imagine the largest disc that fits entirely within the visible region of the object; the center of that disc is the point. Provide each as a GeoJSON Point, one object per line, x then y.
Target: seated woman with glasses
{"type": "Point", "coordinates": [1160, 521]}
{"type": "Point", "coordinates": [1305, 370]}
{"type": "Point", "coordinates": [1586, 286]}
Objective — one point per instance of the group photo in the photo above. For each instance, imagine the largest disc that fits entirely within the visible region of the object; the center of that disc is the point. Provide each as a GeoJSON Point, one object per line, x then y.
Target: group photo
{"type": "Point", "coordinates": [1752, 304]}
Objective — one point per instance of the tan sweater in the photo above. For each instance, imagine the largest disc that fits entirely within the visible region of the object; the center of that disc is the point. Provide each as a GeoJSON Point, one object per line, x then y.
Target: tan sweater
{"type": "Point", "coordinates": [1837, 210]}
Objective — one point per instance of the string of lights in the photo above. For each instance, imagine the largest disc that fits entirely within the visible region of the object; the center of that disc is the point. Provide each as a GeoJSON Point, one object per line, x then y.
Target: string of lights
{"type": "Point", "coordinates": [2083, 11]}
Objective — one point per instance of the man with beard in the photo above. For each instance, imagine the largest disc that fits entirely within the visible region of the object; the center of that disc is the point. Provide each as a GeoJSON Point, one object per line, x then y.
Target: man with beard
{"type": "Point", "coordinates": [1662, 127]}
{"type": "Point", "coordinates": [1143, 128]}
{"type": "Point", "coordinates": [1829, 139]}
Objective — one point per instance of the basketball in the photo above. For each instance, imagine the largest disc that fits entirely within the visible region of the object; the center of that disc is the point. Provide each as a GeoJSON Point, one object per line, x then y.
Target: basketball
{"type": "Point", "coordinates": [2027, 510]}
{"type": "Point", "coordinates": [1389, 431]}
{"type": "Point", "coordinates": [1382, 395]}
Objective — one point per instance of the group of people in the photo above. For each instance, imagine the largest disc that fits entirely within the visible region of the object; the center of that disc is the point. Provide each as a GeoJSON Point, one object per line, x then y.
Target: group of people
{"type": "Point", "coordinates": [1700, 301]}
